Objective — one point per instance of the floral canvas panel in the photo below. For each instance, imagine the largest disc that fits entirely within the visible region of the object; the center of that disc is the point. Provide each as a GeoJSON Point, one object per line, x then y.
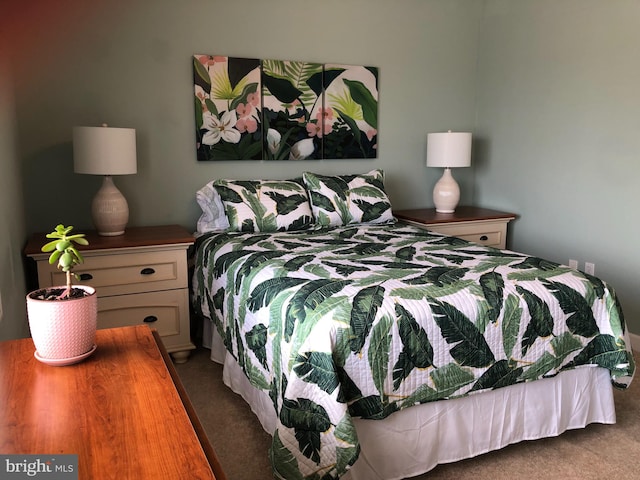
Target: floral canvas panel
{"type": "Point", "coordinates": [252, 109]}
{"type": "Point", "coordinates": [350, 112]}
{"type": "Point", "coordinates": [228, 108]}
{"type": "Point", "coordinates": [292, 104]}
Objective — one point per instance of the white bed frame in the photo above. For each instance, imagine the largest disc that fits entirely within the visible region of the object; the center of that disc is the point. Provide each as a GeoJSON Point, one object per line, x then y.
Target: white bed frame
{"type": "Point", "coordinates": [414, 440]}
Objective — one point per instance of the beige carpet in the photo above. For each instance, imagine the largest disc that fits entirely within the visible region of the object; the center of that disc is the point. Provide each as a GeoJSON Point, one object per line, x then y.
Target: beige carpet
{"type": "Point", "coordinates": [597, 452]}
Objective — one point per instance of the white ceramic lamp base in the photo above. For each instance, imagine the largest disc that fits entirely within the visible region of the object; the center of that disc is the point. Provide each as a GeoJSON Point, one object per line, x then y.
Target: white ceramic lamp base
{"type": "Point", "coordinates": [446, 193]}
{"type": "Point", "coordinates": [109, 209]}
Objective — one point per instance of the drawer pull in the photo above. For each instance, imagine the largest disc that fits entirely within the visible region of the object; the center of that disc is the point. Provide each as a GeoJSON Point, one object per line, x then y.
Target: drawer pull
{"type": "Point", "coordinates": [150, 319]}
{"type": "Point", "coordinates": [85, 276]}
{"type": "Point", "coordinates": [147, 271]}
{"type": "Point", "coordinates": [484, 238]}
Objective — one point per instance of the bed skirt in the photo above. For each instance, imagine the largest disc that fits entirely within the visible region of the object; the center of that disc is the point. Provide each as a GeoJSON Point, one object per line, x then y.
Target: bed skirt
{"type": "Point", "coordinates": [415, 440]}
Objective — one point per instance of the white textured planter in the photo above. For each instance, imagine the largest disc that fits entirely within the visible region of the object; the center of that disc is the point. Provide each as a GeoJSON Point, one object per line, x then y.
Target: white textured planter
{"type": "Point", "coordinates": [63, 331]}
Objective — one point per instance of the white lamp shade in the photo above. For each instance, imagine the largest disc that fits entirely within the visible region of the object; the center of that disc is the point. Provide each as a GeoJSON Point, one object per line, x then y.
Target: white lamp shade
{"type": "Point", "coordinates": [104, 150]}
{"type": "Point", "coordinates": [449, 150]}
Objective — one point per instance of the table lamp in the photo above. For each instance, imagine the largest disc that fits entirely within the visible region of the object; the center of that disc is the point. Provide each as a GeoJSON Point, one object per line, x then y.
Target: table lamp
{"type": "Point", "coordinates": [448, 150]}
{"type": "Point", "coordinates": [106, 151]}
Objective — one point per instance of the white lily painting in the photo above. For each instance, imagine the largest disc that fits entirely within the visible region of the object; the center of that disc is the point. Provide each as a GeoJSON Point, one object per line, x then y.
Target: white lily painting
{"type": "Point", "coordinates": [250, 109]}
{"type": "Point", "coordinates": [228, 108]}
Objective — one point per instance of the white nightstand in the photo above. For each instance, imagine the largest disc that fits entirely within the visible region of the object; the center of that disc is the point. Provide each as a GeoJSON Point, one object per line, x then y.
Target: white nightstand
{"type": "Point", "coordinates": [141, 278]}
{"type": "Point", "coordinates": [479, 225]}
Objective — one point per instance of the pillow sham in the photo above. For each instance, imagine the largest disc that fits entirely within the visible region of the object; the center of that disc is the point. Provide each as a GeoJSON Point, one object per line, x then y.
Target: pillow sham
{"type": "Point", "coordinates": [265, 205]}
{"type": "Point", "coordinates": [348, 199]}
{"type": "Point", "coordinates": [213, 218]}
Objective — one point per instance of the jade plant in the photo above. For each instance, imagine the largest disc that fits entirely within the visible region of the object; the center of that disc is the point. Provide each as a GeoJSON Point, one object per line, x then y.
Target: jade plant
{"type": "Point", "coordinates": [64, 251]}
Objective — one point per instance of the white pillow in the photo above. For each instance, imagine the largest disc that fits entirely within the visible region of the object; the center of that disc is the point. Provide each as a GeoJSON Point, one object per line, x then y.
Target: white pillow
{"type": "Point", "coordinates": [348, 199]}
{"type": "Point", "coordinates": [213, 218]}
{"type": "Point", "coordinates": [265, 205]}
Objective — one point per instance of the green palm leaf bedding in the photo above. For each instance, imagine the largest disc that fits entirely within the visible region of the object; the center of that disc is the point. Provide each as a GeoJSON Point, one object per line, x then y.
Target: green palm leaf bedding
{"type": "Point", "coordinates": [363, 321]}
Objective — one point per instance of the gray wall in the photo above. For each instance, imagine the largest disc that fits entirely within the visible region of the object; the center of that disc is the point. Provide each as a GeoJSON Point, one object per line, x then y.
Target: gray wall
{"type": "Point", "coordinates": [130, 66]}
{"type": "Point", "coordinates": [12, 301]}
{"type": "Point", "coordinates": [559, 132]}
{"type": "Point", "coordinates": [547, 86]}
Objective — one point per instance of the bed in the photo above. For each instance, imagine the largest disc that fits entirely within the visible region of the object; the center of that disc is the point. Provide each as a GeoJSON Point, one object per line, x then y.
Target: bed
{"type": "Point", "coordinates": [369, 349]}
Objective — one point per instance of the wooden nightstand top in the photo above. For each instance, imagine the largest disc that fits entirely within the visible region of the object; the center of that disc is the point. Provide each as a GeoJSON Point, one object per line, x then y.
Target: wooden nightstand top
{"type": "Point", "coordinates": [123, 410]}
{"type": "Point", "coordinates": [462, 214]}
{"type": "Point", "coordinates": [133, 237]}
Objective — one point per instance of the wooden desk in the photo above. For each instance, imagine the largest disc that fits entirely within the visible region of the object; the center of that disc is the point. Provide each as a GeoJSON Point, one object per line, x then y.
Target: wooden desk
{"type": "Point", "coordinates": [123, 411]}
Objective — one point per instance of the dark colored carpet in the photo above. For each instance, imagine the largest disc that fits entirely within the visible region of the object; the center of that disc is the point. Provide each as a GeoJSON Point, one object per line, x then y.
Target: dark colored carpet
{"type": "Point", "coordinates": [597, 452]}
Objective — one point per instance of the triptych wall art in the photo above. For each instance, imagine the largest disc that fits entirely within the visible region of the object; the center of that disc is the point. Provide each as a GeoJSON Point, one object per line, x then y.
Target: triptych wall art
{"type": "Point", "coordinates": [252, 109]}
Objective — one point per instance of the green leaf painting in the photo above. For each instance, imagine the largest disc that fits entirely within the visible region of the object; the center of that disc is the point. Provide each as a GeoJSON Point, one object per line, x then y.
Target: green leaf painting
{"type": "Point", "coordinates": [228, 108]}
{"type": "Point", "coordinates": [351, 112]}
{"type": "Point", "coordinates": [251, 109]}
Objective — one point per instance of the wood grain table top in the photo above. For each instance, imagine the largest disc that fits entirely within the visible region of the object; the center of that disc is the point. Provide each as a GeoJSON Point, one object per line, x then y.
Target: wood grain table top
{"type": "Point", "coordinates": [461, 214]}
{"type": "Point", "coordinates": [121, 410]}
{"type": "Point", "coordinates": [132, 237]}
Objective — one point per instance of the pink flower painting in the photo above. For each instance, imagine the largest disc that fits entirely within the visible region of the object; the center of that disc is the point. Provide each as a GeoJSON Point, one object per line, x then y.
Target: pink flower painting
{"type": "Point", "coordinates": [250, 109]}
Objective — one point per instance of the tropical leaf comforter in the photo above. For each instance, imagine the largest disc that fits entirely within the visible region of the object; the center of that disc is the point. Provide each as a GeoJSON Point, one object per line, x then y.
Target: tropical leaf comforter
{"type": "Point", "coordinates": [367, 320]}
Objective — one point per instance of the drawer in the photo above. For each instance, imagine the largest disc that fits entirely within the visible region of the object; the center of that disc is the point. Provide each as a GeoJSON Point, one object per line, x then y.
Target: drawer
{"type": "Point", "coordinates": [487, 238]}
{"type": "Point", "coordinates": [486, 233]}
{"type": "Point", "coordinates": [160, 310]}
{"type": "Point", "coordinates": [117, 274]}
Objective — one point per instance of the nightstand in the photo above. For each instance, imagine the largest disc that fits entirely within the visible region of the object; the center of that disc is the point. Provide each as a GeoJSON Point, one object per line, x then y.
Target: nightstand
{"type": "Point", "coordinates": [479, 225]}
{"type": "Point", "coordinates": [140, 277]}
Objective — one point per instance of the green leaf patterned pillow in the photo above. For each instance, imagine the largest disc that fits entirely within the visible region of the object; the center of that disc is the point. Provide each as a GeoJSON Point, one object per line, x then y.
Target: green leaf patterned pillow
{"type": "Point", "coordinates": [348, 199]}
{"type": "Point", "coordinates": [265, 205]}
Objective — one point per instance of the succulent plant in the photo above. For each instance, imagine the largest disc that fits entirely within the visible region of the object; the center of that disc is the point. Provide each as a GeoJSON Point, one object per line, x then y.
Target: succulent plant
{"type": "Point", "coordinates": [64, 252]}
